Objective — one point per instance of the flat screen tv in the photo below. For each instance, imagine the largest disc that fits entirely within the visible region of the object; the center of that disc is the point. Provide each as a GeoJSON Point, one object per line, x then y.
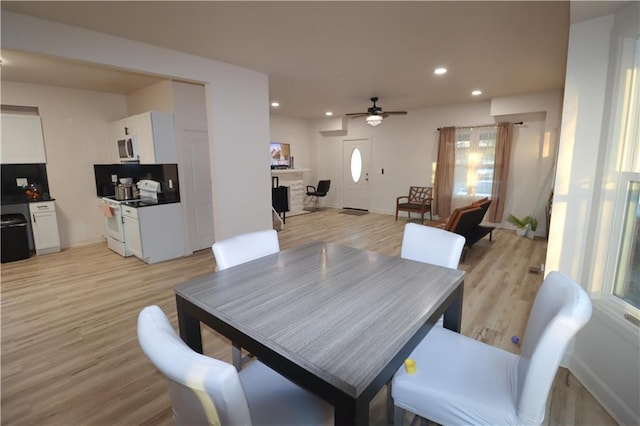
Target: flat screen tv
{"type": "Point", "coordinates": [280, 155]}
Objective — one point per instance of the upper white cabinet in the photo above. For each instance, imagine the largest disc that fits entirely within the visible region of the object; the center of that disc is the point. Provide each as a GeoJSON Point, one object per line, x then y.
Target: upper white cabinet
{"type": "Point", "coordinates": [22, 140]}
{"type": "Point", "coordinates": [155, 135]}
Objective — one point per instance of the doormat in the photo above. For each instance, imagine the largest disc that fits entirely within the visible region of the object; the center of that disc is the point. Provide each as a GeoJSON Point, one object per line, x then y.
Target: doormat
{"type": "Point", "coordinates": [354, 212]}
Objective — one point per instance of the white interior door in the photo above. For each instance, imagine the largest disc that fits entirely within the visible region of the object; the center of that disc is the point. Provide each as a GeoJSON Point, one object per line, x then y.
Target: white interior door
{"type": "Point", "coordinates": [355, 173]}
{"type": "Point", "coordinates": [198, 188]}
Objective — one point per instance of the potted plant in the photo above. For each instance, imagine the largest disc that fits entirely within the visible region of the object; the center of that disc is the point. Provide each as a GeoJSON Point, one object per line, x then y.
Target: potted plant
{"type": "Point", "coordinates": [526, 226]}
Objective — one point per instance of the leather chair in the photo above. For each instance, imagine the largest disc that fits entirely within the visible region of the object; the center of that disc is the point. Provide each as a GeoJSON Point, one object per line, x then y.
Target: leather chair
{"type": "Point", "coordinates": [207, 391]}
{"type": "Point", "coordinates": [459, 380]}
{"type": "Point", "coordinates": [240, 249]}
{"type": "Point", "coordinates": [316, 193]}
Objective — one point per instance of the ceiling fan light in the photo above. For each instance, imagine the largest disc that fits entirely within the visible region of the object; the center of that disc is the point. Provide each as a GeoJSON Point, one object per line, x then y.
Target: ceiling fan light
{"type": "Point", "coordinates": [374, 120]}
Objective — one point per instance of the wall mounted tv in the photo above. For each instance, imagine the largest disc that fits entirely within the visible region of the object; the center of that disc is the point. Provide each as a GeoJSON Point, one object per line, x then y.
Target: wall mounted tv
{"type": "Point", "coordinates": [280, 155]}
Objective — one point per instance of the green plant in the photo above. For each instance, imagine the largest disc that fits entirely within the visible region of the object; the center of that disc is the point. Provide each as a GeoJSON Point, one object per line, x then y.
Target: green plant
{"type": "Point", "coordinates": [529, 220]}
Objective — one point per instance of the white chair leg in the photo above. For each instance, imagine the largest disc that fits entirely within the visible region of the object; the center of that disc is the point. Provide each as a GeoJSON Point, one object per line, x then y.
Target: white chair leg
{"type": "Point", "coordinates": [236, 356]}
{"type": "Point", "coordinates": [390, 407]}
{"type": "Point", "coordinates": [398, 416]}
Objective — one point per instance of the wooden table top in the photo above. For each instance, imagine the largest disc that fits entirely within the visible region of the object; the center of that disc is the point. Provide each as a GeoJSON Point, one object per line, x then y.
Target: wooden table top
{"type": "Point", "coordinates": [340, 313]}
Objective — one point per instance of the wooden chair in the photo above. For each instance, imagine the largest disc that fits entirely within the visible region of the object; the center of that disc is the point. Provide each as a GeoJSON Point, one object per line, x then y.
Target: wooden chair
{"type": "Point", "coordinates": [418, 201]}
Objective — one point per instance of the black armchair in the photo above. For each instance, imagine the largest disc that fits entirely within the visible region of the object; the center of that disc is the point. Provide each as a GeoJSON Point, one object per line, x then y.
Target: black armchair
{"type": "Point", "coordinates": [314, 193]}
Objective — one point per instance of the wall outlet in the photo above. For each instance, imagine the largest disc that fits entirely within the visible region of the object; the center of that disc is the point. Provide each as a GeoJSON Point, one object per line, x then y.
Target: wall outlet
{"type": "Point", "coordinates": [114, 178]}
{"type": "Point", "coordinates": [22, 182]}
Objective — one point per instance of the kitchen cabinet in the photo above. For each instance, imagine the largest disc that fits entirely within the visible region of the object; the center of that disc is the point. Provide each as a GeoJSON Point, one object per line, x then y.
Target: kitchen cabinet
{"type": "Point", "coordinates": [22, 139]}
{"type": "Point", "coordinates": [155, 135]}
{"type": "Point", "coordinates": [154, 233]}
{"type": "Point", "coordinates": [132, 232]}
{"type": "Point", "coordinates": [44, 225]}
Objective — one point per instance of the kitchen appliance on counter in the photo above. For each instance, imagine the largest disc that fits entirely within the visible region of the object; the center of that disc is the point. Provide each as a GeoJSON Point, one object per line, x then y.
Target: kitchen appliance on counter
{"type": "Point", "coordinates": [149, 190]}
{"type": "Point", "coordinates": [126, 190]}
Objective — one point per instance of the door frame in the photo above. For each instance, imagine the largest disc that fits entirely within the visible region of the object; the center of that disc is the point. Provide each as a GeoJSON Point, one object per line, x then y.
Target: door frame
{"type": "Point", "coordinates": [366, 168]}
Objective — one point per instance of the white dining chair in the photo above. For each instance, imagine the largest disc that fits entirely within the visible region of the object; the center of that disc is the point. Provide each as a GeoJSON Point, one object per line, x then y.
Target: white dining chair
{"type": "Point", "coordinates": [459, 380]}
{"type": "Point", "coordinates": [436, 246]}
{"type": "Point", "coordinates": [244, 248]}
{"type": "Point", "coordinates": [207, 391]}
{"type": "Point", "coordinates": [431, 245]}
{"type": "Point", "coordinates": [240, 249]}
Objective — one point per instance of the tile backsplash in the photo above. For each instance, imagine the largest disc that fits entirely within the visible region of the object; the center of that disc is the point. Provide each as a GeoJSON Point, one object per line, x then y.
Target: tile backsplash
{"type": "Point", "coordinates": [166, 174]}
{"type": "Point", "coordinates": [33, 173]}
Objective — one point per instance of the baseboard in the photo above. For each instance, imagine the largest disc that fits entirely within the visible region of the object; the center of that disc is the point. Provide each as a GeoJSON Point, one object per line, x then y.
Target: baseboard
{"type": "Point", "coordinates": [620, 412]}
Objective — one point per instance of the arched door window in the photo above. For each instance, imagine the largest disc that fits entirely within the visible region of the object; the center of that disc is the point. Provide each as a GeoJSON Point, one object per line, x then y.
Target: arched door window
{"type": "Point", "coordinates": [356, 165]}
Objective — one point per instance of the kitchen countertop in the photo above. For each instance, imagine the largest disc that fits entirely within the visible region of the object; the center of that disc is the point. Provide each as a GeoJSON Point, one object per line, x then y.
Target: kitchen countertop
{"type": "Point", "coordinates": [21, 199]}
{"type": "Point", "coordinates": [138, 203]}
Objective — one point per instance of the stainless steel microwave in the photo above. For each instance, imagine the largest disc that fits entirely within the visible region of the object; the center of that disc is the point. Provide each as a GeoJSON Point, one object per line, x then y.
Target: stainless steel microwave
{"type": "Point", "coordinates": [128, 149]}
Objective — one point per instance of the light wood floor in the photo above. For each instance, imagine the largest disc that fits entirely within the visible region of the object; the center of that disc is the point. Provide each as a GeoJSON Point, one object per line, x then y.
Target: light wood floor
{"type": "Point", "coordinates": [70, 354]}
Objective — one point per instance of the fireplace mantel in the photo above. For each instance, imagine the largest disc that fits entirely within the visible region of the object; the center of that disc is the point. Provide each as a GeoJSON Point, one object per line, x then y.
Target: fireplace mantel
{"type": "Point", "coordinates": [293, 178]}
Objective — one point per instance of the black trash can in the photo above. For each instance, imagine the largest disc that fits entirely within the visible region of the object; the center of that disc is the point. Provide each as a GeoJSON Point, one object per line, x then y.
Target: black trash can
{"type": "Point", "coordinates": [15, 240]}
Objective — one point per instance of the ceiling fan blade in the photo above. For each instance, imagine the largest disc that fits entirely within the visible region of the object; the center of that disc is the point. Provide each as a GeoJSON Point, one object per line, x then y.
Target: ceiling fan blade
{"type": "Point", "coordinates": [395, 112]}
{"type": "Point", "coordinates": [357, 114]}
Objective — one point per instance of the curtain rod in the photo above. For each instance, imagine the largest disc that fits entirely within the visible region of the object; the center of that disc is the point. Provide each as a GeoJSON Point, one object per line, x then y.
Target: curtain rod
{"type": "Point", "coordinates": [519, 123]}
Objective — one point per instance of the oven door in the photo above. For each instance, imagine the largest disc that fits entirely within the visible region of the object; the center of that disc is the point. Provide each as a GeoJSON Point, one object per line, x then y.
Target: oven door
{"type": "Point", "coordinates": [114, 227]}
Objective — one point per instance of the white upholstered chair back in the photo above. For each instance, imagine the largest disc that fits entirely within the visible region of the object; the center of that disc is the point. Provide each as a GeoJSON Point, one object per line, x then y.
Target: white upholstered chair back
{"type": "Point", "coordinates": [244, 248]}
{"type": "Point", "coordinates": [202, 390]}
{"type": "Point", "coordinates": [460, 380]}
{"type": "Point", "coordinates": [431, 245]}
{"type": "Point", "coordinates": [560, 310]}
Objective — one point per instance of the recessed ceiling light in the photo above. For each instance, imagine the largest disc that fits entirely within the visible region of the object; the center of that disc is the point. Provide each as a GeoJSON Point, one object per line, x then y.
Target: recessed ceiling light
{"type": "Point", "coordinates": [328, 113]}
{"type": "Point", "coordinates": [275, 104]}
{"type": "Point", "coordinates": [440, 71]}
{"type": "Point", "coordinates": [476, 92]}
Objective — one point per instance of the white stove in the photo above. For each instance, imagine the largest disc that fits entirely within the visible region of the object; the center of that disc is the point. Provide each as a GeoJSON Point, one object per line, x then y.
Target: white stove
{"type": "Point", "coordinates": [112, 212]}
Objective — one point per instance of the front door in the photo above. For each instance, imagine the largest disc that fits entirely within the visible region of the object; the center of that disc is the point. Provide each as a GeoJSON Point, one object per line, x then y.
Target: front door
{"type": "Point", "coordinates": [355, 173]}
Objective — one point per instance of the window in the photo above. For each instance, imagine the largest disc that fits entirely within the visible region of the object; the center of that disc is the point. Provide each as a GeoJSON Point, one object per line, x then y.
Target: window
{"type": "Point", "coordinates": [627, 280]}
{"type": "Point", "coordinates": [356, 165]}
{"type": "Point", "coordinates": [475, 156]}
{"type": "Point", "coordinates": [622, 279]}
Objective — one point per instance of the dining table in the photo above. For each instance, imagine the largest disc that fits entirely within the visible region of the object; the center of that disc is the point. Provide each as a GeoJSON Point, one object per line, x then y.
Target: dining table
{"type": "Point", "coordinates": [336, 320]}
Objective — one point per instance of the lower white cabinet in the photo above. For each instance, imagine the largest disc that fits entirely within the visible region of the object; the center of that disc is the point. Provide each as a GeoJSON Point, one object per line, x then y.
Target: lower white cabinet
{"type": "Point", "coordinates": [44, 224]}
{"type": "Point", "coordinates": [132, 238]}
{"type": "Point", "coordinates": [154, 233]}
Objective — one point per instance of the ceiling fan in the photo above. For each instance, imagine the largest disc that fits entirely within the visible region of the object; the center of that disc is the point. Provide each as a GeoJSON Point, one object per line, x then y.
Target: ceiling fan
{"type": "Point", "coordinates": [375, 114]}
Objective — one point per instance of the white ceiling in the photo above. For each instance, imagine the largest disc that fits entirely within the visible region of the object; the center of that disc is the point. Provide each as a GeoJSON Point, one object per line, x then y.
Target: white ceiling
{"type": "Point", "coordinates": [331, 55]}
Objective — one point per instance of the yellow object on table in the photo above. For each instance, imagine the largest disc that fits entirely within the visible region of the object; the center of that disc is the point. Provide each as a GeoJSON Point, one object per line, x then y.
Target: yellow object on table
{"type": "Point", "coordinates": [410, 366]}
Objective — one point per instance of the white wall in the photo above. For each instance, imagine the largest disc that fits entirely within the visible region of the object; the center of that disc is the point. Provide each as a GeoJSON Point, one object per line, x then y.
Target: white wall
{"type": "Point", "coordinates": [237, 109]}
{"type": "Point", "coordinates": [406, 148]}
{"type": "Point", "coordinates": [297, 133]}
{"type": "Point", "coordinates": [606, 354]}
{"type": "Point", "coordinates": [157, 97]}
{"type": "Point", "coordinates": [75, 127]}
